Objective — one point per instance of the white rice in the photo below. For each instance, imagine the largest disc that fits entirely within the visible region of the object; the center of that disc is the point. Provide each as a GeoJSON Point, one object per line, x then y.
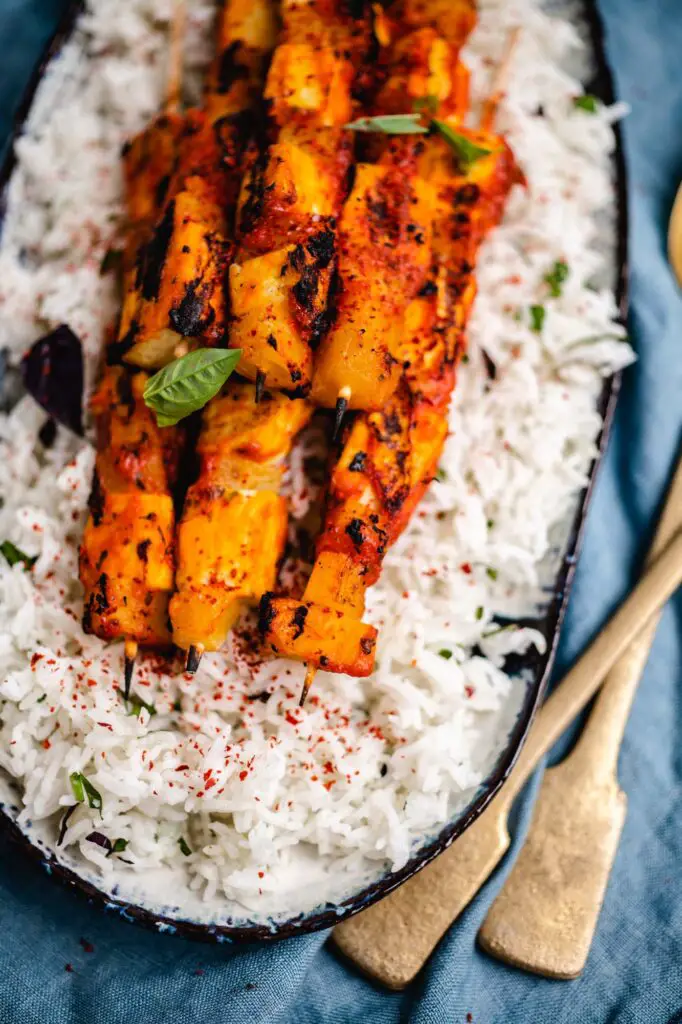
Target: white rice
{"type": "Point", "coordinates": [284, 808]}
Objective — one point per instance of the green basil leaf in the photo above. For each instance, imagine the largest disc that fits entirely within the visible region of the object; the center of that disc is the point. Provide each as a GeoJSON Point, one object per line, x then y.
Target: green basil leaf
{"type": "Point", "coordinates": [389, 124]}
{"type": "Point", "coordinates": [135, 704]}
{"type": "Point", "coordinates": [466, 151]}
{"type": "Point", "coordinates": [587, 103]}
{"type": "Point", "coordinates": [556, 277]}
{"type": "Point", "coordinates": [188, 383]}
{"type": "Point", "coordinates": [14, 555]}
{"type": "Point", "coordinates": [76, 780]}
{"type": "Point", "coordinates": [119, 845]}
{"type": "Point", "coordinates": [82, 787]}
{"type": "Point", "coordinates": [184, 847]}
{"type": "Point", "coordinates": [445, 653]}
{"type": "Point", "coordinates": [537, 318]}
{"type": "Point", "coordinates": [491, 573]}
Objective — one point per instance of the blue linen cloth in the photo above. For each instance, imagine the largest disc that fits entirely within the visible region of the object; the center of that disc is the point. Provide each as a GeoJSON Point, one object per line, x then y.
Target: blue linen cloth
{"type": "Point", "coordinates": [63, 962]}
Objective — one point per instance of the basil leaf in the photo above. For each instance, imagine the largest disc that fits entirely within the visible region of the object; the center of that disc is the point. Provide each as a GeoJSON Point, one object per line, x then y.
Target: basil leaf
{"type": "Point", "coordinates": [82, 787]}
{"type": "Point", "coordinates": [14, 555]}
{"type": "Point", "coordinates": [587, 103]}
{"type": "Point", "coordinates": [119, 845]}
{"type": "Point", "coordinates": [389, 124]}
{"type": "Point", "coordinates": [491, 573]}
{"type": "Point", "coordinates": [445, 653]}
{"type": "Point", "coordinates": [188, 383]}
{"type": "Point", "coordinates": [466, 151]}
{"type": "Point", "coordinates": [65, 824]}
{"type": "Point", "coordinates": [100, 840]}
{"type": "Point", "coordinates": [184, 847]}
{"type": "Point", "coordinates": [136, 704]}
{"type": "Point", "coordinates": [556, 277]}
{"type": "Point", "coordinates": [537, 318]}
{"type": "Point", "coordinates": [77, 786]}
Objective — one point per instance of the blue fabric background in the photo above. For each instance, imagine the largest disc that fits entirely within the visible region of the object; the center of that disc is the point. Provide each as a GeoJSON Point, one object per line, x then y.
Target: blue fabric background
{"type": "Point", "coordinates": [634, 975]}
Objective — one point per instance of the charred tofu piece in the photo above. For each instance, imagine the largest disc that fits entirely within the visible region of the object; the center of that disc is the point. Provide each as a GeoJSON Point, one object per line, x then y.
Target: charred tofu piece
{"type": "Point", "coordinates": [149, 163]}
{"type": "Point", "coordinates": [179, 294]}
{"type": "Point", "coordinates": [247, 32]}
{"type": "Point", "coordinates": [126, 556]}
{"type": "Point", "coordinates": [279, 305]}
{"type": "Point", "coordinates": [295, 181]}
{"type": "Point", "coordinates": [384, 256]}
{"type": "Point", "coordinates": [234, 523]}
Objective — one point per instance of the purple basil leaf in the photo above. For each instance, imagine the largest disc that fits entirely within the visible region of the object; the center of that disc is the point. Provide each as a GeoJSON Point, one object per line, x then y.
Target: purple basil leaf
{"type": "Point", "coordinates": [100, 840]}
{"type": "Point", "coordinates": [53, 374]}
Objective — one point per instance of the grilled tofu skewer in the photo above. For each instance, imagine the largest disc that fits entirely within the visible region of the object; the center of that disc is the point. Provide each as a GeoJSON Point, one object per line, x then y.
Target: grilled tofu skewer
{"type": "Point", "coordinates": [126, 556]}
{"type": "Point", "coordinates": [391, 456]}
{"type": "Point", "coordinates": [382, 246]}
{"type": "Point", "coordinates": [234, 523]}
{"type": "Point", "coordinates": [294, 185]}
{"type": "Point", "coordinates": [179, 299]}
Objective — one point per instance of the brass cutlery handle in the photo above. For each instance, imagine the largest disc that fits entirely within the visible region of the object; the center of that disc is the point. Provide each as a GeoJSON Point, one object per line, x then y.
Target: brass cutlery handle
{"type": "Point", "coordinates": [545, 915]}
{"type": "Point", "coordinates": [392, 940]}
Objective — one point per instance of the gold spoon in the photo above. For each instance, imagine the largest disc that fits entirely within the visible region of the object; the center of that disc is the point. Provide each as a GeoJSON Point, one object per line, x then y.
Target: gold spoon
{"type": "Point", "coordinates": [675, 236]}
{"type": "Point", "coordinates": [546, 914]}
{"type": "Point", "coordinates": [392, 940]}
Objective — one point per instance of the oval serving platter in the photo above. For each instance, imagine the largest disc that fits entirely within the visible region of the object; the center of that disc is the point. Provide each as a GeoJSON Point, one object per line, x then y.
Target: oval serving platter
{"type": "Point", "coordinates": [534, 668]}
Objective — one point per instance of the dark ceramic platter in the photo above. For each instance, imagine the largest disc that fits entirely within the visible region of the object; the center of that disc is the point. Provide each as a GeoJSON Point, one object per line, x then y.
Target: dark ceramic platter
{"type": "Point", "coordinates": [537, 667]}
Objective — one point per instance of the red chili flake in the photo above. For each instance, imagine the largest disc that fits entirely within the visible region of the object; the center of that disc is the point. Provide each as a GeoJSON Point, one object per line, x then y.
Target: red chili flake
{"type": "Point", "coordinates": [469, 691]}
{"type": "Point", "coordinates": [87, 946]}
{"type": "Point", "coordinates": [106, 725]}
{"type": "Point", "coordinates": [35, 659]}
{"type": "Point", "coordinates": [92, 682]}
{"type": "Point", "coordinates": [291, 719]}
{"type": "Point", "coordinates": [406, 594]}
{"type": "Point", "coordinates": [261, 874]}
{"type": "Point", "coordinates": [328, 767]}
{"type": "Point", "coordinates": [210, 783]}
{"type": "Point", "coordinates": [68, 968]}
{"type": "Point", "coordinates": [46, 744]}
{"type": "Point", "coordinates": [328, 785]}
{"type": "Point", "coordinates": [243, 775]}
{"type": "Point", "coordinates": [466, 567]}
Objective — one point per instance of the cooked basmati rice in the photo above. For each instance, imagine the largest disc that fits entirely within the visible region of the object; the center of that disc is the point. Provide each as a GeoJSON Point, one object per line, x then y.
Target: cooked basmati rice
{"type": "Point", "coordinates": [254, 807]}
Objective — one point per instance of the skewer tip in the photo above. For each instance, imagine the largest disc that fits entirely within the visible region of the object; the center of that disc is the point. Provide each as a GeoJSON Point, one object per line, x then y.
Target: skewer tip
{"type": "Point", "coordinates": [340, 411]}
{"type": "Point", "coordinates": [129, 656]}
{"type": "Point", "coordinates": [311, 671]}
{"type": "Point", "coordinates": [260, 385]}
{"type": "Point", "coordinates": [194, 656]}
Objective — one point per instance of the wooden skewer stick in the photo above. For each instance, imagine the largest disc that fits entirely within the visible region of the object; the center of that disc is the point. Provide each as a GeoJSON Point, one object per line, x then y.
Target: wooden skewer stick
{"type": "Point", "coordinates": [340, 410]}
{"type": "Point", "coordinates": [177, 35]}
{"type": "Point", "coordinates": [194, 656]}
{"type": "Point", "coordinates": [130, 654]}
{"type": "Point", "coordinates": [491, 105]}
{"type": "Point", "coordinates": [310, 674]}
